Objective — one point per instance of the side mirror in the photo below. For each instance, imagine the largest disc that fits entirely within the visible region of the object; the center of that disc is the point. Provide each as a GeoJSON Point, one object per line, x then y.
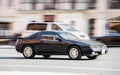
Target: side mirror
{"type": "Point", "coordinates": [59, 39]}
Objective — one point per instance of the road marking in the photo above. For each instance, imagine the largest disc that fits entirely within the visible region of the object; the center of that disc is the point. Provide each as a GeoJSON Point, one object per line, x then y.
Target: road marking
{"type": "Point", "coordinates": [36, 73]}
{"type": "Point", "coordinates": [62, 67]}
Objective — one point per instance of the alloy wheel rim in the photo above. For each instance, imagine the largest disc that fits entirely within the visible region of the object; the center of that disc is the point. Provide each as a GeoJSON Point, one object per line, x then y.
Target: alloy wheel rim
{"type": "Point", "coordinates": [27, 51]}
{"type": "Point", "coordinates": [73, 53]}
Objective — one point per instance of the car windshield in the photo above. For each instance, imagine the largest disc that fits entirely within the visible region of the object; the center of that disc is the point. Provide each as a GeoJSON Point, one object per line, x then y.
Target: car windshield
{"type": "Point", "coordinates": [68, 27]}
{"type": "Point", "coordinates": [68, 36]}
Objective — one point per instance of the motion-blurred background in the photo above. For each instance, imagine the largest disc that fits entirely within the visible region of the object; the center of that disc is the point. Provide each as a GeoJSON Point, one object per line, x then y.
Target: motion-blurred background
{"type": "Point", "coordinates": [95, 17]}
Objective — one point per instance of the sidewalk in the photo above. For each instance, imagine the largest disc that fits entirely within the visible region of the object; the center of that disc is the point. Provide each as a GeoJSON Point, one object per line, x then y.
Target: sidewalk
{"type": "Point", "coordinates": [7, 47]}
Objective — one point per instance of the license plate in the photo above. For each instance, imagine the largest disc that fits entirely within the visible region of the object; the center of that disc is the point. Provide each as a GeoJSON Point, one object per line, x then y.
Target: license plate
{"type": "Point", "coordinates": [103, 51]}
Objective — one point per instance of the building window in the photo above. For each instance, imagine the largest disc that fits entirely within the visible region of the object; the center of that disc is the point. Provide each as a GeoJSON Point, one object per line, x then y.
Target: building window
{"type": "Point", "coordinates": [28, 4]}
{"type": "Point", "coordinates": [49, 4]}
{"type": "Point", "coordinates": [63, 4]}
{"type": "Point", "coordinates": [92, 4]}
{"type": "Point", "coordinates": [5, 29]}
{"type": "Point", "coordinates": [0, 3]}
{"type": "Point", "coordinates": [38, 4]}
{"type": "Point", "coordinates": [49, 18]}
{"type": "Point", "coordinates": [53, 4]}
{"type": "Point", "coordinates": [73, 4]}
{"type": "Point", "coordinates": [79, 4]}
{"type": "Point", "coordinates": [4, 25]}
{"type": "Point", "coordinates": [114, 4]}
{"type": "Point", "coordinates": [91, 26]}
{"type": "Point", "coordinates": [10, 3]}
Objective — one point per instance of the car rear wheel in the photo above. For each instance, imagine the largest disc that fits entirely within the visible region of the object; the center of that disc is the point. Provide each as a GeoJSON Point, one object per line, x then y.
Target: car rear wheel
{"type": "Point", "coordinates": [28, 52]}
{"type": "Point", "coordinates": [92, 57]}
{"type": "Point", "coordinates": [74, 53]}
{"type": "Point", "coordinates": [46, 56]}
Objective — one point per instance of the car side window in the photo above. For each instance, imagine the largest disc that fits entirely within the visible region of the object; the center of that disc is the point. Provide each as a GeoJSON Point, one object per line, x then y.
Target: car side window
{"type": "Point", "coordinates": [37, 26]}
{"type": "Point", "coordinates": [56, 27]}
{"type": "Point", "coordinates": [49, 36]}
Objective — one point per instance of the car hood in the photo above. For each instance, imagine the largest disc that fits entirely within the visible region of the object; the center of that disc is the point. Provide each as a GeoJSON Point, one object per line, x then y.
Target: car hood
{"type": "Point", "coordinates": [91, 42]}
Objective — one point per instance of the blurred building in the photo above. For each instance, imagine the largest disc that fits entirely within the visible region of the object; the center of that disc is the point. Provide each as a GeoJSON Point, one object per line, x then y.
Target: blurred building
{"type": "Point", "coordinates": [103, 15]}
{"type": "Point", "coordinates": [90, 16]}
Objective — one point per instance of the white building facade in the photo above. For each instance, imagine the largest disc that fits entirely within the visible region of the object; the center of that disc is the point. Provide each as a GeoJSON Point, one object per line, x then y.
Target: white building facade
{"type": "Point", "coordinates": [14, 14]}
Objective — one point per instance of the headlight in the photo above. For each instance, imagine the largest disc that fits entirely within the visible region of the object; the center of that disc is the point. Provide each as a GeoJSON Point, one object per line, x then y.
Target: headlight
{"type": "Point", "coordinates": [99, 46]}
{"type": "Point", "coordinates": [94, 46]}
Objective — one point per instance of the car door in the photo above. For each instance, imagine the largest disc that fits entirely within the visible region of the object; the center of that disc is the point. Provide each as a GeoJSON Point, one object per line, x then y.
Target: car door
{"type": "Point", "coordinates": [114, 41]}
{"type": "Point", "coordinates": [51, 44]}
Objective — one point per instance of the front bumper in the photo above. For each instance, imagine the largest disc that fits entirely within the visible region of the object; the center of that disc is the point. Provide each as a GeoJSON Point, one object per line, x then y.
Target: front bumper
{"type": "Point", "coordinates": [99, 52]}
{"type": "Point", "coordinates": [98, 49]}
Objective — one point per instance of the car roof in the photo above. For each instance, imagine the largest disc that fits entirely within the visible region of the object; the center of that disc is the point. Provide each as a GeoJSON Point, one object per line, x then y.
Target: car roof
{"type": "Point", "coordinates": [50, 31]}
{"type": "Point", "coordinates": [45, 22]}
{"type": "Point", "coordinates": [41, 32]}
{"type": "Point", "coordinates": [53, 31]}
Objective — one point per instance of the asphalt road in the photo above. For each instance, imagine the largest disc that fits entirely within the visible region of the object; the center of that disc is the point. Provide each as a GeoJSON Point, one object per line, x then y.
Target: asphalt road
{"type": "Point", "coordinates": [108, 64]}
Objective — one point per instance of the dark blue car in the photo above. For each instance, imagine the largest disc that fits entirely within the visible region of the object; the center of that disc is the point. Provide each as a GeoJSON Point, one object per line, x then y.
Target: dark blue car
{"type": "Point", "coordinates": [111, 39]}
{"type": "Point", "coordinates": [47, 43]}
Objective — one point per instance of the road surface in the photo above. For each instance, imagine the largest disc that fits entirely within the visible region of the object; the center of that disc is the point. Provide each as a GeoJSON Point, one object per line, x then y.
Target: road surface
{"type": "Point", "coordinates": [108, 64]}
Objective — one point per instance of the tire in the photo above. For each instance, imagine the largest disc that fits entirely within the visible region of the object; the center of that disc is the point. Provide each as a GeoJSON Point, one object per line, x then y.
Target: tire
{"type": "Point", "coordinates": [28, 52]}
{"type": "Point", "coordinates": [46, 56]}
{"type": "Point", "coordinates": [74, 53]}
{"type": "Point", "coordinates": [92, 57]}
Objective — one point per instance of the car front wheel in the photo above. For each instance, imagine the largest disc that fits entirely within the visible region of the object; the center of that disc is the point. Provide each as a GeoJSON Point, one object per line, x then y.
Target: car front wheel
{"type": "Point", "coordinates": [74, 53]}
{"type": "Point", "coordinates": [28, 52]}
{"type": "Point", "coordinates": [92, 57]}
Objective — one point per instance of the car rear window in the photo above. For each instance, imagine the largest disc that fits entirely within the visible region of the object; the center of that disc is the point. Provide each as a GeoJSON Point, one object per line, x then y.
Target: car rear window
{"type": "Point", "coordinates": [33, 35]}
{"type": "Point", "coordinates": [37, 26]}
